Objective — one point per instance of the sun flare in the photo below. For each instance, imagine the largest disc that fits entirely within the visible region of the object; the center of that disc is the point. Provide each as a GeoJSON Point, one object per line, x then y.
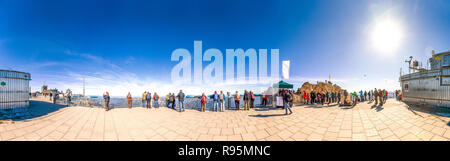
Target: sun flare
{"type": "Point", "coordinates": [386, 35]}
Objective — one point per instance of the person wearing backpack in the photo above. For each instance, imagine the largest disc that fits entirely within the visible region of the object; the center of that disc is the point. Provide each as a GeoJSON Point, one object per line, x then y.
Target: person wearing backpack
{"type": "Point", "coordinates": [148, 98]}
{"type": "Point", "coordinates": [288, 102]}
{"type": "Point", "coordinates": [215, 98]}
{"type": "Point", "coordinates": [236, 100]}
{"type": "Point", "coordinates": [222, 101]}
{"type": "Point", "coordinates": [203, 102]}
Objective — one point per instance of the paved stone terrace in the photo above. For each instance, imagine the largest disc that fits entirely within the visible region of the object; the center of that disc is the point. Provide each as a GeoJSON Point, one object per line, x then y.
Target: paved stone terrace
{"type": "Point", "coordinates": [394, 122]}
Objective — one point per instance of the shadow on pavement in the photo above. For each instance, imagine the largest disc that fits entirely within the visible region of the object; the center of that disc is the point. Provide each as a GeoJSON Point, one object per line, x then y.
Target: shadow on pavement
{"type": "Point", "coordinates": [270, 115]}
{"type": "Point", "coordinates": [379, 108]}
{"type": "Point", "coordinates": [266, 109]}
{"type": "Point", "coordinates": [435, 110]}
{"type": "Point", "coordinates": [414, 112]}
{"type": "Point", "coordinates": [36, 109]}
{"type": "Point", "coordinates": [319, 105]}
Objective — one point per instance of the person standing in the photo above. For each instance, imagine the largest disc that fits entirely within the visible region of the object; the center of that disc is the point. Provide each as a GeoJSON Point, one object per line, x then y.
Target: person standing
{"type": "Point", "coordinates": [365, 96]}
{"type": "Point", "coordinates": [130, 100]}
{"type": "Point", "coordinates": [386, 95]}
{"type": "Point", "coordinates": [167, 99]}
{"type": "Point", "coordinates": [323, 97]}
{"type": "Point", "coordinates": [55, 97]}
{"type": "Point", "coordinates": [222, 101]}
{"type": "Point", "coordinates": [264, 99]}
{"type": "Point", "coordinates": [236, 100]}
{"type": "Point", "coordinates": [355, 98]}
{"type": "Point", "coordinates": [181, 100]}
{"type": "Point", "coordinates": [252, 100]}
{"type": "Point", "coordinates": [106, 99]}
{"type": "Point", "coordinates": [345, 96]}
{"type": "Point", "coordinates": [375, 96]}
{"type": "Point", "coordinates": [330, 97]}
{"type": "Point", "coordinates": [229, 100]}
{"type": "Point", "coordinates": [172, 100]}
{"type": "Point", "coordinates": [144, 95]}
{"type": "Point", "coordinates": [361, 95]}
{"type": "Point", "coordinates": [148, 99]}
{"type": "Point", "coordinates": [338, 97]}
{"type": "Point", "coordinates": [313, 97]}
{"type": "Point", "coordinates": [318, 97]}
{"type": "Point", "coordinates": [333, 97]}
{"type": "Point", "coordinates": [246, 100]}
{"type": "Point", "coordinates": [215, 98]}
{"type": "Point", "coordinates": [380, 96]}
{"type": "Point", "coordinates": [203, 102]}
{"type": "Point", "coordinates": [69, 98]}
{"type": "Point", "coordinates": [156, 99]}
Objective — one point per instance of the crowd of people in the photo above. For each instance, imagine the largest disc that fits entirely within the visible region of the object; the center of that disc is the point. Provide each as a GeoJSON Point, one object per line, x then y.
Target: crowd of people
{"type": "Point", "coordinates": [344, 98]}
{"type": "Point", "coordinates": [220, 100]}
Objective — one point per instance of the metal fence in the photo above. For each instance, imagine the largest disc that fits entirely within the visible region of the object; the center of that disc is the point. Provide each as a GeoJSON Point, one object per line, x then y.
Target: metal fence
{"type": "Point", "coordinates": [189, 103]}
{"type": "Point", "coordinates": [14, 89]}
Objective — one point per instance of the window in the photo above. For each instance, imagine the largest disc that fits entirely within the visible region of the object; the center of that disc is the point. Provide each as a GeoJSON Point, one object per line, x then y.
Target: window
{"type": "Point", "coordinates": [446, 61]}
{"type": "Point", "coordinates": [406, 87]}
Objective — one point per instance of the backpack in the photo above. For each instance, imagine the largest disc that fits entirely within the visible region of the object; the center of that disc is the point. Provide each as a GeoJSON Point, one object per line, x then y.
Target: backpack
{"type": "Point", "coordinates": [289, 98]}
{"type": "Point", "coordinates": [253, 96]}
{"type": "Point", "coordinates": [215, 96]}
{"type": "Point", "coordinates": [203, 99]}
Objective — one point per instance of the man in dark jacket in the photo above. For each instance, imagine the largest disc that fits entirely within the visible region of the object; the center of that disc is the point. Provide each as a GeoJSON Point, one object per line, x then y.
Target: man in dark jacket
{"type": "Point", "coordinates": [148, 99]}
{"type": "Point", "coordinates": [313, 97]}
{"type": "Point", "coordinates": [288, 102]}
{"type": "Point", "coordinates": [181, 100]}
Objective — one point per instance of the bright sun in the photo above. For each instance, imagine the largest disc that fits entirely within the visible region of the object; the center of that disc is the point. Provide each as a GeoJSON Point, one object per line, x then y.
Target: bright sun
{"type": "Point", "coordinates": [386, 36]}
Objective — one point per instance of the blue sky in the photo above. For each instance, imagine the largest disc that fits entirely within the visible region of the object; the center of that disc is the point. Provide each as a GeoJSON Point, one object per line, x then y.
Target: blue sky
{"type": "Point", "coordinates": [123, 46]}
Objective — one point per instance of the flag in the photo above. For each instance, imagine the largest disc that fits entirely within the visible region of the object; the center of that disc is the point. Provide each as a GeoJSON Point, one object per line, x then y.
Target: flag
{"type": "Point", "coordinates": [285, 69]}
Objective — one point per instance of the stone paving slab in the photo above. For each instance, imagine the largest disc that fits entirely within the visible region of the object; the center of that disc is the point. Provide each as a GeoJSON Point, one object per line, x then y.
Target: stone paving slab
{"type": "Point", "coordinates": [393, 122]}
